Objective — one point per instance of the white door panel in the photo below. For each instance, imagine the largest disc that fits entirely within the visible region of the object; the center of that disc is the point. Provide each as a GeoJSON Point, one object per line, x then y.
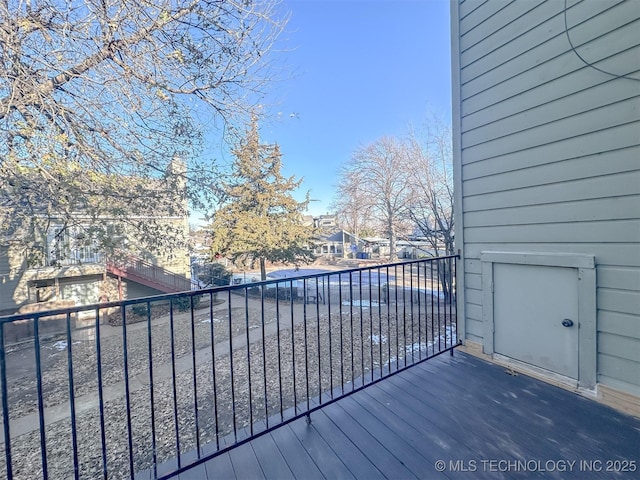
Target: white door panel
{"type": "Point", "coordinates": [531, 302]}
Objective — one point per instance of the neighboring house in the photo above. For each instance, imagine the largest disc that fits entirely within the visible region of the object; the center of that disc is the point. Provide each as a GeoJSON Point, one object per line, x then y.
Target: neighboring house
{"type": "Point", "coordinates": [325, 222]}
{"type": "Point", "coordinates": [547, 176]}
{"type": "Point", "coordinates": [73, 269]}
{"type": "Point", "coordinates": [338, 244]}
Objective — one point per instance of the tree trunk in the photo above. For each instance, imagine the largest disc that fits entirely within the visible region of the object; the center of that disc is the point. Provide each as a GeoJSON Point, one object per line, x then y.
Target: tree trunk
{"type": "Point", "coordinates": [392, 240]}
{"type": "Point", "coordinates": [263, 269]}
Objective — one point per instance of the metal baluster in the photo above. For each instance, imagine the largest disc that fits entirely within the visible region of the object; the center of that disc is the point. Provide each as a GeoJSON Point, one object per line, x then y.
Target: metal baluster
{"type": "Point", "coordinates": [351, 320]}
{"type": "Point", "coordinates": [306, 350]}
{"type": "Point", "coordinates": [293, 350]}
{"type": "Point", "coordinates": [126, 389]}
{"type": "Point", "coordinates": [454, 298]}
{"type": "Point", "coordinates": [151, 397]}
{"type": "Point", "coordinates": [103, 441]}
{"type": "Point", "coordinates": [404, 315]}
{"type": "Point", "coordinates": [361, 326]}
{"type": "Point", "coordinates": [195, 376]}
{"type": "Point", "coordinates": [264, 357]}
{"type": "Point", "coordinates": [213, 370]}
{"type": "Point", "coordinates": [279, 351]}
{"type": "Point", "coordinates": [318, 324]}
{"type": "Point", "coordinates": [341, 334]}
{"type": "Point", "coordinates": [173, 380]}
{"type": "Point", "coordinates": [380, 321]}
{"type": "Point", "coordinates": [413, 344]}
{"type": "Point", "coordinates": [371, 324]}
{"type": "Point", "coordinates": [233, 392]}
{"type": "Point", "coordinates": [395, 271]}
{"type": "Point", "coordinates": [328, 301]}
{"type": "Point", "coordinates": [5, 404]}
{"type": "Point", "coordinates": [439, 313]}
{"type": "Point", "coordinates": [246, 321]}
{"type": "Point", "coordinates": [72, 399]}
{"type": "Point", "coordinates": [388, 300]}
{"type": "Point", "coordinates": [433, 338]}
{"type": "Point", "coordinates": [418, 265]}
{"type": "Point", "coordinates": [43, 444]}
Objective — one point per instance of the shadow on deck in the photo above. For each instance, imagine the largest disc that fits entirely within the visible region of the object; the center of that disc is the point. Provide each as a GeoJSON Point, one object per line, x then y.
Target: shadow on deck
{"type": "Point", "coordinates": [451, 417]}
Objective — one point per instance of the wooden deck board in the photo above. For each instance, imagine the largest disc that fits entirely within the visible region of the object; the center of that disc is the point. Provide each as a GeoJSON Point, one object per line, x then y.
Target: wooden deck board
{"type": "Point", "coordinates": [298, 459]}
{"type": "Point", "coordinates": [270, 459]}
{"type": "Point", "coordinates": [373, 450]}
{"type": "Point", "coordinates": [357, 462]}
{"type": "Point", "coordinates": [244, 461]}
{"type": "Point", "coordinates": [462, 410]}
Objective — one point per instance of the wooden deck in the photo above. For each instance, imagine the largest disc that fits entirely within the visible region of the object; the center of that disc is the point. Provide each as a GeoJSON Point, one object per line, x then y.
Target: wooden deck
{"type": "Point", "coordinates": [451, 417]}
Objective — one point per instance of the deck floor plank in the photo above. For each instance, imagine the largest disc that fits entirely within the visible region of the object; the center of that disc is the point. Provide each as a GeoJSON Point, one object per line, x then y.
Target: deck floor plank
{"type": "Point", "coordinates": [357, 462]}
{"type": "Point", "coordinates": [320, 450]}
{"type": "Point", "coordinates": [543, 412]}
{"type": "Point", "coordinates": [244, 461]}
{"type": "Point", "coordinates": [371, 447]}
{"type": "Point", "coordinates": [459, 409]}
{"type": "Point", "coordinates": [298, 459]}
{"type": "Point", "coordinates": [270, 459]}
{"type": "Point", "coordinates": [220, 467]}
{"type": "Point", "coordinates": [393, 435]}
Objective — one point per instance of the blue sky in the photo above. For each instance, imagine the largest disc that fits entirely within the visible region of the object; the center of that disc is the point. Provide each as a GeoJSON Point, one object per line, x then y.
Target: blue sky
{"type": "Point", "coordinates": [359, 70]}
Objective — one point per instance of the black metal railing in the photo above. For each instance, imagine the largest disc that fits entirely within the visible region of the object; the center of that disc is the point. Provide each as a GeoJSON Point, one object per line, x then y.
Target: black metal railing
{"type": "Point", "coordinates": [158, 385]}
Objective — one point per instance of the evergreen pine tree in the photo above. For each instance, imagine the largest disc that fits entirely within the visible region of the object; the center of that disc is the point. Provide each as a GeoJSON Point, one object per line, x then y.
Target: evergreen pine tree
{"type": "Point", "coordinates": [260, 220]}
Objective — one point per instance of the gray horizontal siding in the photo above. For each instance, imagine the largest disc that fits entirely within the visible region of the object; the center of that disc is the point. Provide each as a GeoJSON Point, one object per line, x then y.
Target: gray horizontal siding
{"type": "Point", "coordinates": [608, 139]}
{"type": "Point", "coordinates": [619, 372]}
{"type": "Point", "coordinates": [570, 106]}
{"type": "Point", "coordinates": [590, 120]}
{"type": "Point", "coordinates": [603, 186]}
{"type": "Point", "coordinates": [498, 30]}
{"type": "Point", "coordinates": [614, 231]}
{"type": "Point", "coordinates": [550, 153]}
{"type": "Point", "coordinates": [620, 301]}
{"type": "Point", "coordinates": [607, 162]}
{"type": "Point", "coordinates": [473, 280]}
{"type": "Point", "coordinates": [612, 208]}
{"type": "Point", "coordinates": [469, 6]}
{"type": "Point", "coordinates": [621, 278]}
{"type": "Point", "coordinates": [476, 17]}
{"type": "Point", "coordinates": [547, 43]}
{"type": "Point", "coordinates": [620, 324]}
{"type": "Point", "coordinates": [612, 254]}
{"type": "Point", "coordinates": [627, 348]}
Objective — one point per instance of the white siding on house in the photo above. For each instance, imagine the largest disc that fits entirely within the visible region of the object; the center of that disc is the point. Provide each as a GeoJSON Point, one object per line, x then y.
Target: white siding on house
{"type": "Point", "coordinates": [549, 152]}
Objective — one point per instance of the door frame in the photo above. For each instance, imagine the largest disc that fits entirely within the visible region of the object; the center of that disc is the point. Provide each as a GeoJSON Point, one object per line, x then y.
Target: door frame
{"type": "Point", "coordinates": [587, 332]}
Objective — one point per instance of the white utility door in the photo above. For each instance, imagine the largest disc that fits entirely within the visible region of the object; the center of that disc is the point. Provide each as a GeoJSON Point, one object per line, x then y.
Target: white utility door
{"type": "Point", "coordinates": [535, 315]}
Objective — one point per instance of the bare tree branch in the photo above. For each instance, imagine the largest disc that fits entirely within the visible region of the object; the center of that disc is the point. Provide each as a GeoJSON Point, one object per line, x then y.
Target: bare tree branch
{"type": "Point", "coordinates": [96, 95]}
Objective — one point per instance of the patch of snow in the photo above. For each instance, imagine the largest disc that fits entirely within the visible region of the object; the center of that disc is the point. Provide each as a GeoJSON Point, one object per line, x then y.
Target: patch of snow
{"type": "Point", "coordinates": [361, 303]}
{"type": "Point", "coordinates": [59, 345]}
{"type": "Point", "coordinates": [208, 320]}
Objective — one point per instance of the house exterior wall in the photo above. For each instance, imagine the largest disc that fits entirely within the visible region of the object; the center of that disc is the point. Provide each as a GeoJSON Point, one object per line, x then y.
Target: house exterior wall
{"type": "Point", "coordinates": [547, 154]}
{"type": "Point", "coordinates": [77, 280]}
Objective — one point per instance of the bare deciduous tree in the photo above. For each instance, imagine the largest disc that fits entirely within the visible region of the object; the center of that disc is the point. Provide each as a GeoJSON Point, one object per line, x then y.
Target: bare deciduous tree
{"type": "Point", "coordinates": [95, 95]}
{"type": "Point", "coordinates": [378, 176]}
{"type": "Point", "coordinates": [432, 190]}
{"type": "Point", "coordinates": [353, 212]}
{"type": "Point", "coordinates": [432, 186]}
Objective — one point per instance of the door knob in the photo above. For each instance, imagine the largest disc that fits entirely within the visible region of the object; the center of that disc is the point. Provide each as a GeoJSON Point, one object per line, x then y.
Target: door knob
{"type": "Point", "coordinates": [567, 323]}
